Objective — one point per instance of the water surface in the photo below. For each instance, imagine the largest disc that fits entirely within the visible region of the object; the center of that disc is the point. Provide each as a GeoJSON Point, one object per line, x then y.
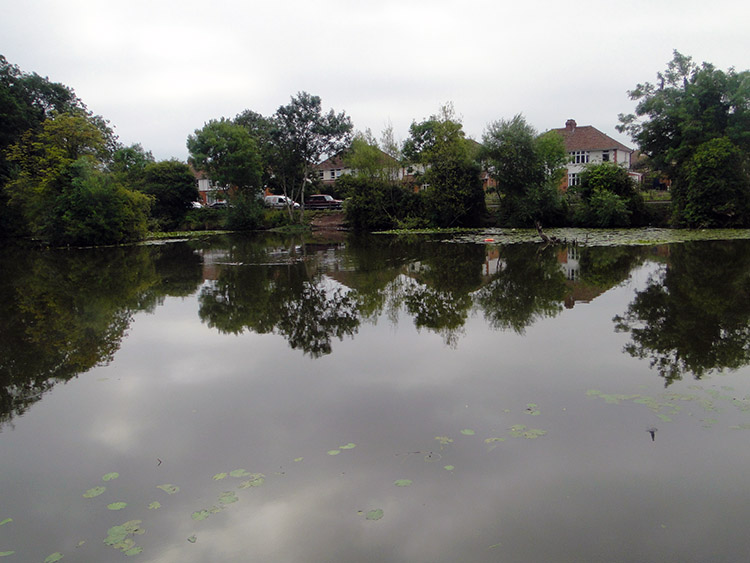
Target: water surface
{"type": "Point", "coordinates": [376, 399]}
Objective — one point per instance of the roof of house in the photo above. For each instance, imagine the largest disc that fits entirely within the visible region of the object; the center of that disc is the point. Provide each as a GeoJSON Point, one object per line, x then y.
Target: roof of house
{"type": "Point", "coordinates": [333, 163]}
{"type": "Point", "coordinates": [586, 138]}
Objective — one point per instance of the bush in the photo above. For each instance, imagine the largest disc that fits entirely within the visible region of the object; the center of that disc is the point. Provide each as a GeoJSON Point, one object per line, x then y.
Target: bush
{"type": "Point", "coordinates": [245, 213]}
{"type": "Point", "coordinates": [93, 209]}
{"type": "Point", "coordinates": [204, 219]}
{"type": "Point", "coordinates": [374, 205]}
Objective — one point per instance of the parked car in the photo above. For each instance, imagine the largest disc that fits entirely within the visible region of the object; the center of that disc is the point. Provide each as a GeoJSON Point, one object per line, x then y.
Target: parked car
{"type": "Point", "coordinates": [218, 205]}
{"type": "Point", "coordinates": [322, 201]}
{"type": "Point", "coordinates": [280, 202]}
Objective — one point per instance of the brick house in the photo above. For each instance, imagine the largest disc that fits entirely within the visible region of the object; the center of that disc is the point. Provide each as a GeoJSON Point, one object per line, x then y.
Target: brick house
{"type": "Point", "coordinates": [588, 145]}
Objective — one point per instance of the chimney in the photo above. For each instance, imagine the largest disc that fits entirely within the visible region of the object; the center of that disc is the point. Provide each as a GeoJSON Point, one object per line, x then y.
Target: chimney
{"type": "Point", "coordinates": [570, 125]}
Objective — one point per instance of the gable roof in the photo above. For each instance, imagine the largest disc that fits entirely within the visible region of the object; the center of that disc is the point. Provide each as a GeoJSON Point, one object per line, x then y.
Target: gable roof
{"type": "Point", "coordinates": [587, 138]}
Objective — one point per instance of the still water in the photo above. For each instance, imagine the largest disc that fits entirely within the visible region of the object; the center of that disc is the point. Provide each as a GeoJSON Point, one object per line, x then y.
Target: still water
{"type": "Point", "coordinates": [379, 399]}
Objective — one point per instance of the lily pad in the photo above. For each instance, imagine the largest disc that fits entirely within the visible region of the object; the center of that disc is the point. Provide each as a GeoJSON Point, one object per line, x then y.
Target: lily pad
{"type": "Point", "coordinates": [467, 432]}
{"type": "Point", "coordinates": [228, 497]}
{"type": "Point", "coordinates": [6, 553]}
{"type": "Point", "coordinates": [449, 467]}
{"type": "Point", "coordinates": [256, 480]}
{"type": "Point", "coordinates": [137, 550]}
{"type": "Point", "coordinates": [376, 514]}
{"type": "Point", "coordinates": [199, 515]}
{"type": "Point", "coordinates": [444, 440]}
{"type": "Point", "coordinates": [154, 505]}
{"type": "Point", "coordinates": [94, 492]}
{"type": "Point", "coordinates": [219, 476]}
{"type": "Point", "coordinates": [532, 409]}
{"type": "Point", "coordinates": [169, 488]}
{"type": "Point", "coordinates": [6, 521]}
{"type": "Point", "coordinates": [348, 446]}
{"type": "Point", "coordinates": [110, 476]}
{"type": "Point", "coordinates": [192, 539]}
{"type": "Point", "coordinates": [403, 482]}
{"type": "Point", "coordinates": [117, 505]}
{"type": "Point", "coordinates": [239, 473]}
{"type": "Point", "coordinates": [333, 452]}
{"type": "Point", "coordinates": [54, 557]}
{"type": "Point", "coordinates": [117, 537]}
{"type": "Point", "coordinates": [298, 459]}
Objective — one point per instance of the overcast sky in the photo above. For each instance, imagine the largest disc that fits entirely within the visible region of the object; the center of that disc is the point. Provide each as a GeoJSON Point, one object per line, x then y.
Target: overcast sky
{"type": "Point", "coordinates": [157, 69]}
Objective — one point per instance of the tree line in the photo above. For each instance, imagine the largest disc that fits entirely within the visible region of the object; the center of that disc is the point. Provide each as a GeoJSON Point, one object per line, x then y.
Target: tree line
{"type": "Point", "coordinates": [65, 178]}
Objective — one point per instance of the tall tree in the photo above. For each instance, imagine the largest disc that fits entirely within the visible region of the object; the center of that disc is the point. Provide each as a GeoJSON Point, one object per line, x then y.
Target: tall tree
{"type": "Point", "coordinates": [228, 154]}
{"type": "Point", "coordinates": [453, 189]}
{"type": "Point", "coordinates": [301, 135]}
{"type": "Point", "coordinates": [172, 185]}
{"type": "Point", "coordinates": [526, 168]}
{"type": "Point", "coordinates": [677, 123]}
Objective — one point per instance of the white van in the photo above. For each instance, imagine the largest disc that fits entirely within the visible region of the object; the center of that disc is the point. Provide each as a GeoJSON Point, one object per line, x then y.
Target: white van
{"type": "Point", "coordinates": [279, 202]}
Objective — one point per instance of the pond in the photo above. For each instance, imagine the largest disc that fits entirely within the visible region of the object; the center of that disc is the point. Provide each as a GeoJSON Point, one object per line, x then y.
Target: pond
{"type": "Point", "coordinates": [376, 399]}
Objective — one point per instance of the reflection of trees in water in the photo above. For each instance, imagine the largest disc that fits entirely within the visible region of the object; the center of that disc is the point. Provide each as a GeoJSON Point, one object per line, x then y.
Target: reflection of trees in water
{"type": "Point", "coordinates": [527, 285]}
{"type": "Point", "coordinates": [694, 315]}
{"type": "Point", "coordinates": [64, 312]}
{"type": "Point", "coordinates": [282, 299]}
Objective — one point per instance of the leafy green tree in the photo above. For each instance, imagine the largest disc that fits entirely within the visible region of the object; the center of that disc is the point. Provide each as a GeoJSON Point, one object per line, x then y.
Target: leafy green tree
{"type": "Point", "coordinates": [228, 154]}
{"type": "Point", "coordinates": [301, 135]}
{"type": "Point", "coordinates": [128, 165]}
{"type": "Point", "coordinates": [61, 191]}
{"type": "Point", "coordinates": [172, 185]}
{"type": "Point", "coordinates": [677, 123]}
{"type": "Point", "coordinates": [526, 168]}
{"type": "Point", "coordinates": [609, 197]}
{"type": "Point", "coordinates": [453, 192]}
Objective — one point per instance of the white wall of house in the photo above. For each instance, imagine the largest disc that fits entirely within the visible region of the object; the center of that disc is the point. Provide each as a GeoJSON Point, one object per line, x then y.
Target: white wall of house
{"type": "Point", "coordinates": [579, 160]}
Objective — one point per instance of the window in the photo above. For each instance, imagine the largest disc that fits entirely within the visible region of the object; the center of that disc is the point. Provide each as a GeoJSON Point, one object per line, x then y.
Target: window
{"type": "Point", "coordinates": [333, 174]}
{"type": "Point", "coordinates": [605, 156]}
{"type": "Point", "coordinates": [579, 157]}
{"type": "Point", "coordinates": [573, 179]}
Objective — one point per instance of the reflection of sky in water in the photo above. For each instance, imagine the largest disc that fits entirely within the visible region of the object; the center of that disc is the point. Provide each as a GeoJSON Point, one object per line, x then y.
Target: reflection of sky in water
{"type": "Point", "coordinates": [182, 402]}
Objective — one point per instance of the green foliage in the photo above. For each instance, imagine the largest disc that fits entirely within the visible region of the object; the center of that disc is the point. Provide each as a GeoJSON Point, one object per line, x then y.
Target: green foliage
{"type": "Point", "coordinates": [94, 209]}
{"type": "Point", "coordinates": [301, 134]}
{"type": "Point", "coordinates": [61, 191]}
{"type": "Point", "coordinates": [453, 196]}
{"type": "Point", "coordinates": [527, 169]}
{"type": "Point", "coordinates": [609, 197]}
{"type": "Point", "coordinates": [172, 186]}
{"type": "Point", "coordinates": [245, 212]}
{"type": "Point", "coordinates": [690, 106]}
{"type": "Point", "coordinates": [366, 159]}
{"type": "Point", "coordinates": [228, 154]}
{"type": "Point", "coordinates": [374, 204]}
{"type": "Point", "coordinates": [129, 164]}
{"type": "Point", "coordinates": [716, 189]}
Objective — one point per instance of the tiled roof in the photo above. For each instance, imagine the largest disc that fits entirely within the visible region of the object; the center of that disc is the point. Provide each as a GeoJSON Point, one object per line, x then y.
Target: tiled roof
{"type": "Point", "coordinates": [587, 138]}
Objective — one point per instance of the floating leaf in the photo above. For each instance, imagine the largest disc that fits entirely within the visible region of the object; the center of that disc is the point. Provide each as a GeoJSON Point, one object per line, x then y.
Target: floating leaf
{"type": "Point", "coordinates": [117, 536]}
{"type": "Point", "coordinates": [664, 418]}
{"type": "Point", "coordinates": [169, 488]}
{"type": "Point", "coordinates": [137, 550]}
{"type": "Point", "coordinates": [6, 553]}
{"type": "Point", "coordinates": [256, 480]}
{"type": "Point", "coordinates": [376, 514]}
{"type": "Point", "coordinates": [403, 482]}
{"type": "Point", "coordinates": [219, 476]}
{"type": "Point", "coordinates": [297, 459]}
{"type": "Point", "coordinates": [200, 515]}
{"type": "Point", "coordinates": [95, 492]}
{"type": "Point", "coordinates": [449, 467]}
{"type": "Point", "coordinates": [444, 440]}
{"type": "Point", "coordinates": [532, 409]}
{"type": "Point", "coordinates": [239, 473]}
{"type": "Point", "coordinates": [154, 505]}
{"type": "Point", "coordinates": [110, 476]}
{"type": "Point", "coordinates": [6, 521]}
{"type": "Point", "coordinates": [333, 452]}
{"type": "Point", "coordinates": [117, 505]}
{"type": "Point", "coordinates": [467, 432]}
{"type": "Point", "coordinates": [348, 446]}
{"type": "Point", "coordinates": [228, 497]}
{"type": "Point", "coordinates": [54, 557]}
{"type": "Point", "coordinates": [493, 440]}
{"type": "Point", "coordinates": [192, 539]}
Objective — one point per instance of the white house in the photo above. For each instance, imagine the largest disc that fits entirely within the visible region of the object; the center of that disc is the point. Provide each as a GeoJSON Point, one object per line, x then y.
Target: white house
{"type": "Point", "coordinates": [586, 144]}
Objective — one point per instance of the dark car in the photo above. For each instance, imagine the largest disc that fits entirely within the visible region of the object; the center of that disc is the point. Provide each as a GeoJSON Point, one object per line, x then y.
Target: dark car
{"type": "Point", "coordinates": [322, 201]}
